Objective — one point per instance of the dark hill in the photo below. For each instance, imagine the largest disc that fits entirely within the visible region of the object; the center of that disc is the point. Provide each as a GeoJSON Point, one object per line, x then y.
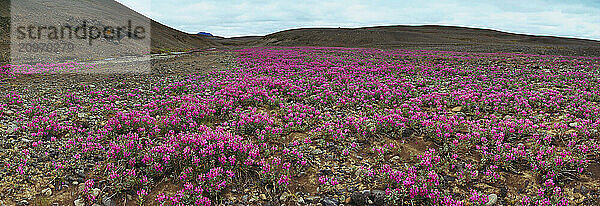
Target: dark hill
{"type": "Point", "coordinates": [431, 37]}
{"type": "Point", "coordinates": [106, 12]}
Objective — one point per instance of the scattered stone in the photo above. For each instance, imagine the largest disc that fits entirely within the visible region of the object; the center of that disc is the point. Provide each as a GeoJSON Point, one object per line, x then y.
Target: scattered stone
{"type": "Point", "coordinates": [395, 158]}
{"type": "Point", "coordinates": [25, 140]}
{"type": "Point", "coordinates": [369, 197]}
{"type": "Point", "coordinates": [378, 196]}
{"type": "Point", "coordinates": [11, 129]}
{"type": "Point", "coordinates": [47, 192]}
{"type": "Point", "coordinates": [361, 198]}
{"type": "Point", "coordinates": [96, 192]}
{"type": "Point", "coordinates": [263, 196]}
{"type": "Point", "coordinates": [79, 202]}
{"type": "Point", "coordinates": [80, 173]}
{"type": "Point", "coordinates": [348, 200]}
{"type": "Point", "coordinates": [80, 187]}
{"type": "Point", "coordinates": [284, 197]}
{"type": "Point", "coordinates": [583, 190]}
{"type": "Point", "coordinates": [492, 199]}
{"type": "Point", "coordinates": [329, 202]}
{"type": "Point", "coordinates": [312, 199]}
{"type": "Point", "coordinates": [326, 172]}
{"type": "Point", "coordinates": [457, 109]}
{"type": "Point", "coordinates": [317, 152]}
{"type": "Point", "coordinates": [107, 201]}
{"type": "Point", "coordinates": [9, 112]}
{"type": "Point", "coordinates": [23, 202]}
{"type": "Point", "coordinates": [573, 124]}
{"type": "Point", "coordinates": [449, 178]}
{"type": "Point", "coordinates": [253, 199]}
{"type": "Point", "coordinates": [301, 201]}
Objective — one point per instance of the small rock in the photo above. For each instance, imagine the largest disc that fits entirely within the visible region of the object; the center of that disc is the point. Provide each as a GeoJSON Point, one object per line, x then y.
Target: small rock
{"type": "Point", "coordinates": [96, 192]}
{"type": "Point", "coordinates": [312, 199]}
{"type": "Point", "coordinates": [449, 178]}
{"type": "Point", "coordinates": [79, 202]}
{"type": "Point", "coordinates": [23, 202]}
{"type": "Point", "coordinates": [492, 199]}
{"type": "Point", "coordinates": [395, 158]}
{"type": "Point", "coordinates": [457, 109]}
{"type": "Point", "coordinates": [253, 199]}
{"type": "Point", "coordinates": [317, 152]}
{"type": "Point", "coordinates": [11, 129]}
{"type": "Point", "coordinates": [284, 196]}
{"type": "Point", "coordinates": [25, 140]}
{"type": "Point", "coordinates": [573, 124]}
{"type": "Point", "coordinates": [80, 173]}
{"type": "Point", "coordinates": [47, 192]}
{"type": "Point", "coordinates": [348, 200]}
{"type": "Point", "coordinates": [378, 192]}
{"type": "Point", "coordinates": [81, 115]}
{"type": "Point", "coordinates": [263, 196]}
{"type": "Point", "coordinates": [329, 202]}
{"type": "Point", "coordinates": [80, 187]}
{"type": "Point", "coordinates": [378, 196]}
{"type": "Point", "coordinates": [9, 112]}
{"type": "Point", "coordinates": [583, 190]}
{"type": "Point", "coordinates": [326, 172]}
{"type": "Point", "coordinates": [301, 201]}
{"type": "Point", "coordinates": [361, 198]}
{"type": "Point", "coordinates": [106, 201]}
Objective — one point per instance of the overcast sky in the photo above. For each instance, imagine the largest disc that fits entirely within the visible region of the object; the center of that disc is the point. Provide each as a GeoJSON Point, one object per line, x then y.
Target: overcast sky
{"type": "Point", "coordinates": [231, 18]}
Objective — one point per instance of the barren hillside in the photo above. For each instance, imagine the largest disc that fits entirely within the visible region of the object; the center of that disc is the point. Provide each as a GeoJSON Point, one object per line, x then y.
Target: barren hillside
{"type": "Point", "coordinates": [102, 12]}
{"type": "Point", "coordinates": [432, 37]}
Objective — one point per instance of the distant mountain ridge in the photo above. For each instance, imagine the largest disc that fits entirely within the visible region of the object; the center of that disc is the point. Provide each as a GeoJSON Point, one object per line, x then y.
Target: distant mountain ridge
{"type": "Point", "coordinates": [431, 37]}
{"type": "Point", "coordinates": [204, 34]}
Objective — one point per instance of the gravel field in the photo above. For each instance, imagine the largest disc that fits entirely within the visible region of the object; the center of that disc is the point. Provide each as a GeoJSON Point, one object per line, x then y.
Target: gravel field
{"type": "Point", "coordinates": [306, 126]}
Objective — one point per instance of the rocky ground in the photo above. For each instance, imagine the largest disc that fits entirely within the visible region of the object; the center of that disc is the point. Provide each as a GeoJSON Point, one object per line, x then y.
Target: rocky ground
{"type": "Point", "coordinates": [37, 189]}
{"type": "Point", "coordinates": [50, 147]}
